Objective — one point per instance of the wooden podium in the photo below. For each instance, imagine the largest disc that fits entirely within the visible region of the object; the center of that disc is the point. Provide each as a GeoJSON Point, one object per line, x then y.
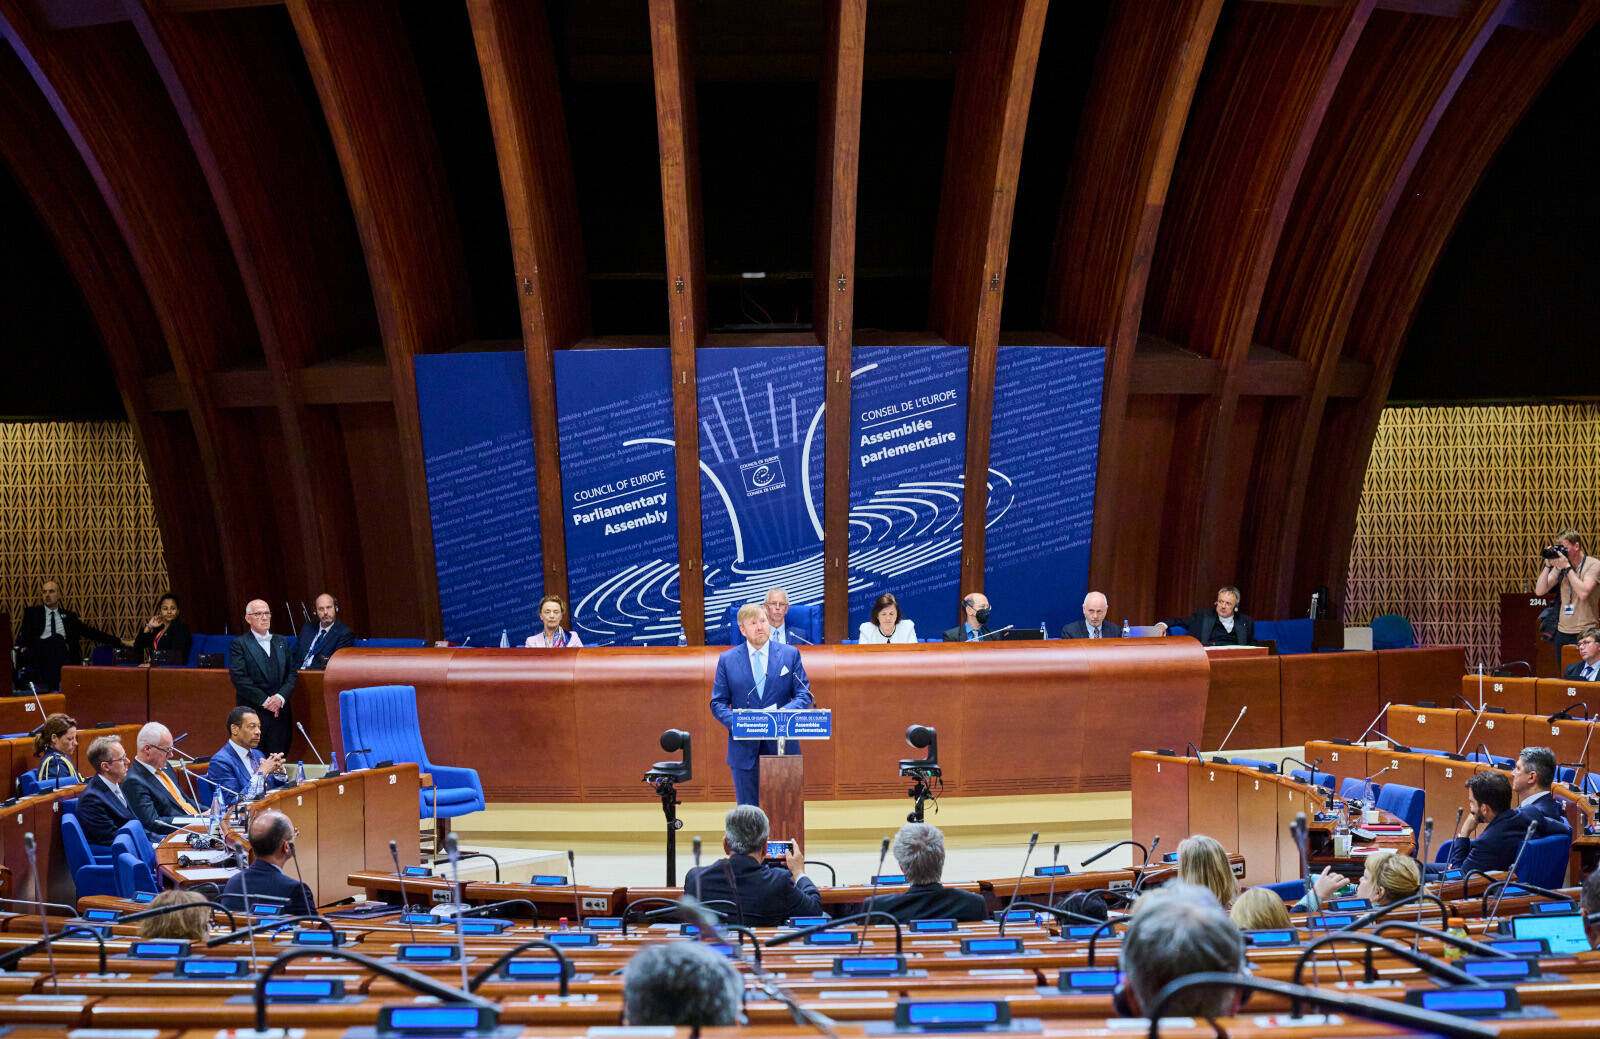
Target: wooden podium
{"type": "Point", "coordinates": [783, 797]}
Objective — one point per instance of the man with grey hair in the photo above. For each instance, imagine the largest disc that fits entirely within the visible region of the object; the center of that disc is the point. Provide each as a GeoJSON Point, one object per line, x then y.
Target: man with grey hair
{"type": "Point", "coordinates": [1093, 625]}
{"type": "Point", "coordinates": [103, 806]}
{"type": "Point", "coordinates": [1176, 930]}
{"type": "Point", "coordinates": [1531, 778]}
{"type": "Point", "coordinates": [152, 786]}
{"type": "Point", "coordinates": [680, 983]}
{"type": "Point", "coordinates": [919, 849]}
{"type": "Point", "coordinates": [764, 896]}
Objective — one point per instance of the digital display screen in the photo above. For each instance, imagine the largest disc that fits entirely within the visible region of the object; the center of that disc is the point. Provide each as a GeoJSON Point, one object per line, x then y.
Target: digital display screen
{"type": "Point", "coordinates": [889, 878]}
{"type": "Point", "coordinates": [101, 914]}
{"type": "Point", "coordinates": [689, 929]}
{"type": "Point", "coordinates": [926, 926]}
{"type": "Point", "coordinates": [991, 945]}
{"type": "Point", "coordinates": [727, 950]}
{"type": "Point", "coordinates": [1350, 903]}
{"type": "Point", "coordinates": [1524, 947]}
{"type": "Point", "coordinates": [144, 897]}
{"type": "Point", "coordinates": [868, 965]}
{"type": "Point", "coordinates": [480, 927]}
{"type": "Point", "coordinates": [315, 938]}
{"type": "Point", "coordinates": [1331, 920]}
{"type": "Point", "coordinates": [778, 849]}
{"type": "Point", "coordinates": [1451, 874]}
{"type": "Point", "coordinates": [417, 871]}
{"type": "Point", "coordinates": [84, 930]}
{"type": "Point", "coordinates": [807, 921]}
{"type": "Point", "coordinates": [572, 938]}
{"type": "Point", "coordinates": [1090, 979]}
{"type": "Point", "coordinates": [603, 923]}
{"type": "Point", "coordinates": [1271, 937]}
{"type": "Point", "coordinates": [159, 950]}
{"type": "Point", "coordinates": [431, 953]}
{"type": "Point", "coordinates": [548, 880]}
{"type": "Point", "coordinates": [210, 968]}
{"type": "Point", "coordinates": [831, 938]}
{"type": "Point", "coordinates": [304, 988]}
{"type": "Point", "coordinates": [1017, 915]}
{"type": "Point", "coordinates": [974, 1013]}
{"type": "Point", "coordinates": [533, 969]}
{"type": "Point", "coordinates": [1497, 968]}
{"type": "Point", "coordinates": [267, 908]}
{"type": "Point", "coordinates": [1052, 871]}
{"type": "Point", "coordinates": [1170, 856]}
{"type": "Point", "coordinates": [1085, 930]}
{"type": "Point", "coordinates": [1470, 1000]}
{"type": "Point", "coordinates": [425, 919]}
{"type": "Point", "coordinates": [1564, 931]}
{"type": "Point", "coordinates": [433, 1019]}
{"type": "Point", "coordinates": [1552, 907]}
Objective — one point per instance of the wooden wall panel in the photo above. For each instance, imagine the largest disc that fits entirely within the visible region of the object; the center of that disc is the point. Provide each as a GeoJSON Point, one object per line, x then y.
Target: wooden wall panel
{"type": "Point", "coordinates": [377, 487]}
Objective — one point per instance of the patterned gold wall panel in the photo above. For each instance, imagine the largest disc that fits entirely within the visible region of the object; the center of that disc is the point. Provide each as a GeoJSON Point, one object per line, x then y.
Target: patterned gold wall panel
{"type": "Point", "coordinates": [1456, 505]}
{"type": "Point", "coordinates": [75, 505]}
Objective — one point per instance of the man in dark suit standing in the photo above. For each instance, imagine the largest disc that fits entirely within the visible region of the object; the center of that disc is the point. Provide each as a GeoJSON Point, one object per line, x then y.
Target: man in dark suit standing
{"type": "Point", "coordinates": [1530, 780]}
{"type": "Point", "coordinates": [766, 896]}
{"type": "Point", "coordinates": [1093, 625]}
{"type": "Point", "coordinates": [103, 805]}
{"type": "Point", "coordinates": [272, 844]}
{"type": "Point", "coordinates": [322, 640]}
{"type": "Point", "coordinates": [919, 849]}
{"type": "Point", "coordinates": [151, 785]}
{"type": "Point", "coordinates": [263, 668]}
{"type": "Point", "coordinates": [974, 619]}
{"type": "Point", "coordinates": [1587, 667]}
{"type": "Point", "coordinates": [50, 636]}
{"type": "Point", "coordinates": [757, 674]}
{"type": "Point", "coordinates": [1222, 625]}
{"type": "Point", "coordinates": [1491, 830]}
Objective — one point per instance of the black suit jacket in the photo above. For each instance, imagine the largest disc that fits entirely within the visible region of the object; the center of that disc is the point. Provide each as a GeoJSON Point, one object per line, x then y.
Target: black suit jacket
{"type": "Point", "coordinates": [1496, 844]}
{"type": "Point", "coordinates": [931, 902]}
{"type": "Point", "coordinates": [767, 895]}
{"type": "Point", "coordinates": [31, 632]}
{"type": "Point", "coordinates": [176, 641]}
{"type": "Point", "coordinates": [1202, 623]}
{"type": "Point", "coordinates": [956, 634]}
{"type": "Point", "coordinates": [1080, 630]}
{"type": "Point", "coordinates": [257, 677]}
{"type": "Point", "coordinates": [1549, 812]}
{"type": "Point", "coordinates": [101, 812]}
{"type": "Point", "coordinates": [339, 637]}
{"type": "Point", "coordinates": [263, 878]}
{"type": "Point", "coordinates": [1575, 672]}
{"type": "Point", "coordinates": [151, 803]}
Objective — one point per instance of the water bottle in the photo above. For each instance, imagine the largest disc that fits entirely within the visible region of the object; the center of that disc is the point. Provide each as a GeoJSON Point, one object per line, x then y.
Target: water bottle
{"type": "Point", "coordinates": [683, 637]}
{"type": "Point", "coordinates": [258, 786]}
{"type": "Point", "coordinates": [1127, 632]}
{"type": "Point", "coordinates": [1044, 630]}
{"type": "Point", "coordinates": [505, 642]}
{"type": "Point", "coordinates": [299, 773]}
{"type": "Point", "coordinates": [216, 813]}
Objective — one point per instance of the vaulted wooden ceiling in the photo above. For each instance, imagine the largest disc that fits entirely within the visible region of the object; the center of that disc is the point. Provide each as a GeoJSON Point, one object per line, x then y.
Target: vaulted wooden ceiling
{"type": "Point", "coordinates": [271, 208]}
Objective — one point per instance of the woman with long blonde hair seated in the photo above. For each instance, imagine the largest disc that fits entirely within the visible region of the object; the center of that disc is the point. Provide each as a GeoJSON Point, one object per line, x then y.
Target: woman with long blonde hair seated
{"type": "Point", "coordinates": [1202, 861]}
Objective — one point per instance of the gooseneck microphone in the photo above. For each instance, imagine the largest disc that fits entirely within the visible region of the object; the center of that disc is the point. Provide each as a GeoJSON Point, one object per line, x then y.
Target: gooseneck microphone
{"type": "Point", "coordinates": [326, 772]}
{"type": "Point", "coordinates": [992, 634]}
{"type": "Point", "coordinates": [1103, 852]}
{"type": "Point", "coordinates": [1462, 749]}
{"type": "Point", "coordinates": [1138, 881]}
{"type": "Point", "coordinates": [1533, 828]}
{"type": "Point", "coordinates": [29, 846]}
{"type": "Point", "coordinates": [577, 905]}
{"type": "Point", "coordinates": [1032, 843]}
{"type": "Point", "coordinates": [244, 887]}
{"type": "Point", "coordinates": [1235, 725]}
{"type": "Point", "coordinates": [453, 850]}
{"type": "Point", "coordinates": [883, 853]}
{"type": "Point", "coordinates": [405, 899]}
{"type": "Point", "coordinates": [699, 878]}
{"type": "Point", "coordinates": [1055, 859]}
{"type": "Point", "coordinates": [1381, 712]}
{"type": "Point", "coordinates": [1566, 713]}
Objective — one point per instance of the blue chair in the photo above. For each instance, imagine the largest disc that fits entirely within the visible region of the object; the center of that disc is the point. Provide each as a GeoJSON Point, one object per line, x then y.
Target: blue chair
{"type": "Point", "coordinates": [805, 616]}
{"type": "Point", "coordinates": [391, 643]}
{"type": "Point", "coordinates": [1443, 854]}
{"type": "Point", "coordinates": [1322, 779]}
{"type": "Point", "coordinates": [28, 784]}
{"type": "Point", "coordinates": [1353, 788]}
{"type": "Point", "coordinates": [1405, 802]}
{"type": "Point", "coordinates": [90, 875]}
{"type": "Point", "coordinates": [1266, 630]}
{"type": "Point", "coordinates": [130, 870]}
{"type": "Point", "coordinates": [1392, 631]}
{"type": "Point", "coordinates": [1293, 636]}
{"type": "Point", "coordinates": [1291, 891]}
{"type": "Point", "coordinates": [1255, 763]}
{"type": "Point", "coordinates": [384, 719]}
{"type": "Point", "coordinates": [1544, 860]}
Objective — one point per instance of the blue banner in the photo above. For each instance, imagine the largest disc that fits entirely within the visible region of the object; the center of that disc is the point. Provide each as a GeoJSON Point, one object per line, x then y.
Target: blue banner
{"type": "Point", "coordinates": [760, 476]}
{"type": "Point", "coordinates": [1043, 446]}
{"type": "Point", "coordinates": [619, 494]}
{"type": "Point", "coordinates": [477, 446]}
{"type": "Point", "coordinates": [908, 442]}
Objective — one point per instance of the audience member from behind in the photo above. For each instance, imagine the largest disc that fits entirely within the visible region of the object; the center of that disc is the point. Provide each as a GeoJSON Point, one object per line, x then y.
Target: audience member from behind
{"type": "Point", "coordinates": [152, 786]}
{"type": "Point", "coordinates": [551, 635]}
{"type": "Point", "coordinates": [1093, 625]}
{"type": "Point", "coordinates": [1574, 575]}
{"type": "Point", "coordinates": [886, 624]}
{"type": "Point", "coordinates": [328, 636]}
{"type": "Point", "coordinates": [1258, 909]}
{"type": "Point", "coordinates": [192, 924]}
{"type": "Point", "coordinates": [765, 896]}
{"type": "Point", "coordinates": [50, 635]}
{"type": "Point", "coordinates": [680, 984]}
{"type": "Point", "coordinates": [1591, 908]}
{"type": "Point", "coordinates": [56, 744]}
{"type": "Point", "coordinates": [1491, 832]}
{"type": "Point", "coordinates": [1220, 625]}
{"type": "Point", "coordinates": [234, 768]}
{"type": "Point", "coordinates": [103, 806]}
{"type": "Point", "coordinates": [165, 633]}
{"type": "Point", "coordinates": [1587, 667]}
{"type": "Point", "coordinates": [272, 844]}
{"type": "Point", "coordinates": [1203, 862]}
{"type": "Point", "coordinates": [263, 669]}
{"type": "Point", "coordinates": [919, 849]}
{"type": "Point", "coordinates": [974, 619]}
{"type": "Point", "coordinates": [1389, 877]}
{"type": "Point", "coordinates": [1179, 929]}
{"type": "Point", "coordinates": [1535, 770]}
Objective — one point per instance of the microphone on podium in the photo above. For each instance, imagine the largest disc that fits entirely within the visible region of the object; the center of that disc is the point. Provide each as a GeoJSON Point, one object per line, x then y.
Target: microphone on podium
{"type": "Point", "coordinates": [992, 634]}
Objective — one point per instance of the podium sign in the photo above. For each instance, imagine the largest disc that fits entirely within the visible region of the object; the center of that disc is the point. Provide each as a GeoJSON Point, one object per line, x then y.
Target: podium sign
{"type": "Point", "coordinates": [810, 724]}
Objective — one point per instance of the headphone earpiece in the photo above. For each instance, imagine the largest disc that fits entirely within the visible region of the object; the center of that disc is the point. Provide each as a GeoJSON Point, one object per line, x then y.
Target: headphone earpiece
{"type": "Point", "coordinates": [1119, 1000]}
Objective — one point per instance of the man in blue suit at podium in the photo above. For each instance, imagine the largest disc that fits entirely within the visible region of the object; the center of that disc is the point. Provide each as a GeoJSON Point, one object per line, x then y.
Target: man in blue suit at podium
{"type": "Point", "coordinates": [781, 683]}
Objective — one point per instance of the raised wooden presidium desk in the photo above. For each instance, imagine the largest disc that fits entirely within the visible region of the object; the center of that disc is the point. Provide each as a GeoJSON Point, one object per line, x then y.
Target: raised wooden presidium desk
{"type": "Point", "coordinates": [584, 725]}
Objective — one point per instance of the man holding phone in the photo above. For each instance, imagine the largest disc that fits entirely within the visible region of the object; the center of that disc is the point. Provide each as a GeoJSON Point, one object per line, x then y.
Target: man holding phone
{"type": "Point", "coordinates": [764, 896]}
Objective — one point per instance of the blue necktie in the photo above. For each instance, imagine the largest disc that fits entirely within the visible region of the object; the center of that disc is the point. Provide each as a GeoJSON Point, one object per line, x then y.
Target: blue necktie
{"type": "Point", "coordinates": [760, 669]}
{"type": "Point", "coordinates": [314, 644]}
{"type": "Point", "coordinates": [1588, 673]}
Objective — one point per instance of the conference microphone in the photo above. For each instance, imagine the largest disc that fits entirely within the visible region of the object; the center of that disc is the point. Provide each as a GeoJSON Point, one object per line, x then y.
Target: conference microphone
{"type": "Point", "coordinates": [327, 773]}
{"type": "Point", "coordinates": [1375, 721]}
{"type": "Point", "coordinates": [1427, 844]}
{"type": "Point", "coordinates": [992, 634]}
{"type": "Point", "coordinates": [883, 853]}
{"type": "Point", "coordinates": [405, 899]}
{"type": "Point", "coordinates": [1032, 843]}
{"type": "Point", "coordinates": [1566, 712]}
{"type": "Point", "coordinates": [1582, 762]}
{"type": "Point", "coordinates": [288, 618]}
{"type": "Point", "coordinates": [1396, 744]}
{"type": "Point", "coordinates": [1102, 853]}
{"type": "Point", "coordinates": [43, 717]}
{"type": "Point", "coordinates": [699, 879]}
{"type": "Point", "coordinates": [305, 613]}
{"type": "Point", "coordinates": [28, 845]}
{"type": "Point", "coordinates": [1464, 701]}
{"type": "Point", "coordinates": [1235, 725]}
{"type": "Point", "coordinates": [1470, 731]}
{"type": "Point", "coordinates": [801, 638]}
{"type": "Point", "coordinates": [1311, 768]}
{"type": "Point", "coordinates": [577, 904]}
{"type": "Point", "coordinates": [1055, 858]}
{"type": "Point", "coordinates": [453, 850]}
{"type": "Point", "coordinates": [1367, 783]}
{"type": "Point", "coordinates": [1189, 746]}
{"type": "Point", "coordinates": [1138, 880]}
{"type": "Point", "coordinates": [229, 842]}
{"type": "Point", "coordinates": [1533, 828]}
{"type": "Point", "coordinates": [1488, 757]}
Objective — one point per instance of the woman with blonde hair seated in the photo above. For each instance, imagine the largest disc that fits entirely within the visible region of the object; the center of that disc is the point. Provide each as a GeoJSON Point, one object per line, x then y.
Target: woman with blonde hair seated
{"type": "Point", "coordinates": [1387, 877]}
{"type": "Point", "coordinates": [1202, 861]}
{"type": "Point", "coordinates": [1258, 909]}
{"type": "Point", "coordinates": [192, 924]}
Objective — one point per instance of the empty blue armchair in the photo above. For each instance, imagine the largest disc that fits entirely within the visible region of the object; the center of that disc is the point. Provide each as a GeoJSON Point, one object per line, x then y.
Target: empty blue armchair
{"type": "Point", "coordinates": [383, 719]}
{"type": "Point", "coordinates": [1392, 631]}
{"type": "Point", "coordinates": [91, 875]}
{"type": "Point", "coordinates": [1255, 763]}
{"type": "Point", "coordinates": [132, 872]}
{"type": "Point", "coordinates": [1405, 802]}
{"type": "Point", "coordinates": [1544, 861]}
{"type": "Point", "coordinates": [1322, 779]}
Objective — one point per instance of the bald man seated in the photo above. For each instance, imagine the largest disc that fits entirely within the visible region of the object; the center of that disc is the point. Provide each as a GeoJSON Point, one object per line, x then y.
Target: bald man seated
{"type": "Point", "coordinates": [272, 844]}
{"type": "Point", "coordinates": [1093, 625]}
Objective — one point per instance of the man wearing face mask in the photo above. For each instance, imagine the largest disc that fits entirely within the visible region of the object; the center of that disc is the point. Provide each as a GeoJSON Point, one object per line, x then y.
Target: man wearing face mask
{"type": "Point", "coordinates": [271, 845]}
{"type": "Point", "coordinates": [974, 619]}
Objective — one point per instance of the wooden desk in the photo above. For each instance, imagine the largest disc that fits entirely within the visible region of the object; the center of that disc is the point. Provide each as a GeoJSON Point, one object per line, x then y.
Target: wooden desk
{"type": "Point", "coordinates": [20, 714]}
{"type": "Point", "coordinates": [40, 816]}
{"type": "Point", "coordinates": [591, 717]}
{"type": "Point", "coordinates": [100, 696]}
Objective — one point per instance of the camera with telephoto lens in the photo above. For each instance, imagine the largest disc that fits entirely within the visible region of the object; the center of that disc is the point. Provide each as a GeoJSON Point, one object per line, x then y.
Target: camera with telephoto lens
{"type": "Point", "coordinates": [1554, 552]}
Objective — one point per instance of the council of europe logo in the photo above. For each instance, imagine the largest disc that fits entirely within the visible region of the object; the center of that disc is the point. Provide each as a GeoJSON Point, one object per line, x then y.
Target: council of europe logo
{"type": "Point", "coordinates": [762, 476]}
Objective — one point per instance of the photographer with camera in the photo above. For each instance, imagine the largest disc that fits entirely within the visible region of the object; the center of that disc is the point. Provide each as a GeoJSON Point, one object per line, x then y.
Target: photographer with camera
{"type": "Point", "coordinates": [1575, 573]}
